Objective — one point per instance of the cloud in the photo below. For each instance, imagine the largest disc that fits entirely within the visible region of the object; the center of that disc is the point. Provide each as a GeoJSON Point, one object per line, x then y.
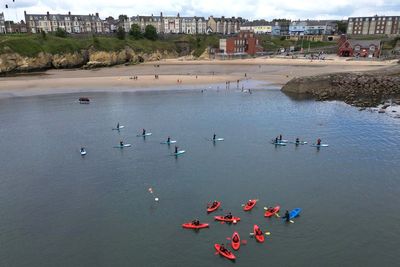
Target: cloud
{"type": "Point", "coordinates": [250, 9]}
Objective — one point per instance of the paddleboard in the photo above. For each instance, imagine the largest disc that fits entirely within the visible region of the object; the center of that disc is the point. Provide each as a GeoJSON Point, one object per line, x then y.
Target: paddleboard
{"type": "Point", "coordinates": [83, 153]}
{"type": "Point", "coordinates": [167, 143]}
{"type": "Point", "coordinates": [321, 145]}
{"type": "Point", "coordinates": [217, 139]}
{"type": "Point", "coordinates": [144, 135]}
{"type": "Point", "coordinates": [125, 145]}
{"type": "Point", "coordinates": [178, 153]}
{"type": "Point", "coordinates": [279, 144]}
{"type": "Point", "coordinates": [120, 127]}
{"type": "Point", "coordinates": [300, 143]}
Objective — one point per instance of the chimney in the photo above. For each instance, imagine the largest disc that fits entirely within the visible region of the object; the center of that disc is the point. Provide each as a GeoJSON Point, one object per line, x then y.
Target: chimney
{"type": "Point", "coordinates": [69, 13]}
{"type": "Point", "coordinates": [160, 14]}
{"type": "Point", "coordinates": [25, 12]}
{"type": "Point", "coordinates": [178, 15]}
{"type": "Point", "coordinates": [97, 14]}
{"type": "Point", "coordinates": [48, 13]}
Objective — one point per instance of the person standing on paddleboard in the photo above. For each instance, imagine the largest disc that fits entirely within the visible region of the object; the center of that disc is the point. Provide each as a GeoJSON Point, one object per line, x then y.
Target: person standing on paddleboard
{"type": "Point", "coordinates": [144, 132]}
{"type": "Point", "coordinates": [297, 141]}
{"type": "Point", "coordinates": [318, 142]}
{"type": "Point", "coordinates": [168, 139]}
{"type": "Point", "coordinates": [287, 216]}
{"type": "Point", "coordinates": [176, 149]}
{"type": "Point", "coordinates": [118, 125]}
{"type": "Point", "coordinates": [121, 143]}
{"type": "Point", "coordinates": [280, 137]}
{"type": "Point", "coordinates": [214, 136]}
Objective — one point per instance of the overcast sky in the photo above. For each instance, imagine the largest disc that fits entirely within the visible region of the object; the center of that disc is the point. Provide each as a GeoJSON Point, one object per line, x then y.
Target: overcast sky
{"type": "Point", "coordinates": [250, 9]}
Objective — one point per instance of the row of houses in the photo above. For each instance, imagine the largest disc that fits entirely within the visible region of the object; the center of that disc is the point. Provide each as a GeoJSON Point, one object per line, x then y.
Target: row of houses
{"type": "Point", "coordinates": [2, 23]}
{"type": "Point", "coordinates": [286, 27]}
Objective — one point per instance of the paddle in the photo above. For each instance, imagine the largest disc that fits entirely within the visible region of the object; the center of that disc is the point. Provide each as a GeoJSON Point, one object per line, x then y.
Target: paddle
{"type": "Point", "coordinates": [266, 233]}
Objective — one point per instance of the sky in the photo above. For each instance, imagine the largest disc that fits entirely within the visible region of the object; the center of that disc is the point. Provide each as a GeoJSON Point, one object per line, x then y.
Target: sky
{"type": "Point", "coordinates": [249, 9]}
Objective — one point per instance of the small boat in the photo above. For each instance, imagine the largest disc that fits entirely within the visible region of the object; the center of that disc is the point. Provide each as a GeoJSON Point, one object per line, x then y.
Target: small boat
{"type": "Point", "coordinates": [84, 100]}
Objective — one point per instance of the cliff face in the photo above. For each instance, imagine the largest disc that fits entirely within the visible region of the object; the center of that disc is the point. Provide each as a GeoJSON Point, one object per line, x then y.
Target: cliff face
{"type": "Point", "coordinates": [360, 89]}
{"type": "Point", "coordinates": [13, 62]}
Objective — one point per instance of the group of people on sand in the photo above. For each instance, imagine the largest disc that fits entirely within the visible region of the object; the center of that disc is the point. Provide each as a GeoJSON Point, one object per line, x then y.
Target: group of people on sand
{"type": "Point", "coordinates": [133, 78]}
{"type": "Point", "coordinates": [179, 81]}
{"type": "Point", "coordinates": [156, 76]}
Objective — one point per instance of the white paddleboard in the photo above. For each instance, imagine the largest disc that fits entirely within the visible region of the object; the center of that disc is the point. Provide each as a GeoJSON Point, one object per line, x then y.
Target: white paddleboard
{"type": "Point", "coordinates": [125, 145]}
{"type": "Point", "coordinates": [170, 142]}
{"type": "Point", "coordinates": [321, 145]}
{"type": "Point", "coordinates": [120, 127]}
{"type": "Point", "coordinates": [180, 152]}
{"type": "Point", "coordinates": [143, 135]}
{"type": "Point", "coordinates": [217, 139]}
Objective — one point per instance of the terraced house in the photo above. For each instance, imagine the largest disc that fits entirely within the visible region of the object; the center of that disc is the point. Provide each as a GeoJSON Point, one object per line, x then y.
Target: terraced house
{"type": "Point", "coordinates": [70, 23]}
{"type": "Point", "coordinates": [2, 24]}
{"type": "Point", "coordinates": [224, 25]}
{"type": "Point", "coordinates": [374, 25]}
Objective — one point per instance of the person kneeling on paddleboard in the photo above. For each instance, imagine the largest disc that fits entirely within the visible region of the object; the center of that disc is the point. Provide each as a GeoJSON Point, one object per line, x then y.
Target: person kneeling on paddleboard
{"type": "Point", "coordinates": [287, 216]}
{"type": "Point", "coordinates": [297, 141]}
{"type": "Point", "coordinates": [121, 143]}
{"type": "Point", "coordinates": [228, 216]}
{"type": "Point", "coordinates": [318, 142]}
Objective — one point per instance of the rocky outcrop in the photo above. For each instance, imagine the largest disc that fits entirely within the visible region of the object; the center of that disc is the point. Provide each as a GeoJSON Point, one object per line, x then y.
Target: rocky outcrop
{"type": "Point", "coordinates": [13, 62]}
{"type": "Point", "coordinates": [367, 89]}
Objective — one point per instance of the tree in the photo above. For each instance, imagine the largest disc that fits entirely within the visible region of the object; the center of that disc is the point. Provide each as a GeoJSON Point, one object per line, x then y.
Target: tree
{"type": "Point", "coordinates": [122, 17]}
{"type": "Point", "coordinates": [121, 33]}
{"type": "Point", "coordinates": [150, 32]}
{"type": "Point", "coordinates": [43, 33]}
{"type": "Point", "coordinates": [61, 33]}
{"type": "Point", "coordinates": [135, 31]}
{"type": "Point", "coordinates": [342, 26]}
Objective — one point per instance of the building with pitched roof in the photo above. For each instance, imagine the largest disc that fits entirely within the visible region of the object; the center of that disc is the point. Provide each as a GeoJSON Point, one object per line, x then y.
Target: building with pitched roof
{"type": "Point", "coordinates": [70, 23]}
{"type": "Point", "coordinates": [358, 48]}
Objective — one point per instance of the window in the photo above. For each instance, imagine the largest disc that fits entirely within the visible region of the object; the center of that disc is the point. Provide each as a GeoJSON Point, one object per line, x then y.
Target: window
{"type": "Point", "coordinates": [372, 48]}
{"type": "Point", "coordinates": [357, 48]}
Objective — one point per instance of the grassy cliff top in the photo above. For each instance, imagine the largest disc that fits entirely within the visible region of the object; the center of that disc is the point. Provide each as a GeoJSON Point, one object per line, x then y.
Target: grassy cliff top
{"type": "Point", "coordinates": [33, 44]}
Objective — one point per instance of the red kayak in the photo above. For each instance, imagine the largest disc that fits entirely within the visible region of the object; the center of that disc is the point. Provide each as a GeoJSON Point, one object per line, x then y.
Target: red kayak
{"type": "Point", "coordinates": [274, 211]}
{"type": "Point", "coordinates": [235, 241]}
{"type": "Point", "coordinates": [211, 208]}
{"type": "Point", "coordinates": [190, 225]}
{"type": "Point", "coordinates": [259, 237]}
{"type": "Point", "coordinates": [222, 218]}
{"type": "Point", "coordinates": [250, 204]}
{"type": "Point", "coordinates": [227, 254]}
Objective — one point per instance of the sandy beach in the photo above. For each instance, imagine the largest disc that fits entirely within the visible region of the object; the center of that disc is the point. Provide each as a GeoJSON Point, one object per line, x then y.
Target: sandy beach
{"type": "Point", "coordinates": [176, 74]}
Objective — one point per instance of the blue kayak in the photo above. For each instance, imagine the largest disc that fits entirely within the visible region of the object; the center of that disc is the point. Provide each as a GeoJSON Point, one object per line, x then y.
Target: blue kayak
{"type": "Point", "coordinates": [294, 213]}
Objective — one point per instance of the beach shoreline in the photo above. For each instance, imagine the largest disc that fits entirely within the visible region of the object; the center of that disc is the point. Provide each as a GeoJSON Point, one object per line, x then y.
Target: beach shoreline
{"type": "Point", "coordinates": [176, 74]}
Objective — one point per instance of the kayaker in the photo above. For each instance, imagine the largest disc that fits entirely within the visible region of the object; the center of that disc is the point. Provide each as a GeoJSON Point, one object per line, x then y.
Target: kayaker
{"type": "Point", "coordinates": [222, 248]}
{"type": "Point", "coordinates": [235, 239]}
{"type": "Point", "coordinates": [214, 136]}
{"type": "Point", "coordinates": [215, 203]}
{"type": "Point", "coordinates": [258, 231]}
{"type": "Point", "coordinates": [249, 203]}
{"type": "Point", "coordinates": [176, 149]}
{"type": "Point", "coordinates": [270, 209]}
{"type": "Point", "coordinates": [228, 216]}
{"type": "Point", "coordinates": [121, 143]}
{"type": "Point", "coordinates": [318, 142]}
{"type": "Point", "coordinates": [297, 141]}
{"type": "Point", "coordinates": [287, 216]}
{"type": "Point", "coordinates": [196, 222]}
{"type": "Point", "coordinates": [168, 139]}
{"type": "Point", "coordinates": [144, 132]}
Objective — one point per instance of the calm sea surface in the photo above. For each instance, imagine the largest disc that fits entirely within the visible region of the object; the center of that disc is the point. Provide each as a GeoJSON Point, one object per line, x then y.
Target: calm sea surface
{"type": "Point", "coordinates": [60, 209]}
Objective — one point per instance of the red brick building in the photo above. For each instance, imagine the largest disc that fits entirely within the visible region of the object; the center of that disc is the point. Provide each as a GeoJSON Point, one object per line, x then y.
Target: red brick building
{"type": "Point", "coordinates": [244, 43]}
{"type": "Point", "coordinates": [358, 48]}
